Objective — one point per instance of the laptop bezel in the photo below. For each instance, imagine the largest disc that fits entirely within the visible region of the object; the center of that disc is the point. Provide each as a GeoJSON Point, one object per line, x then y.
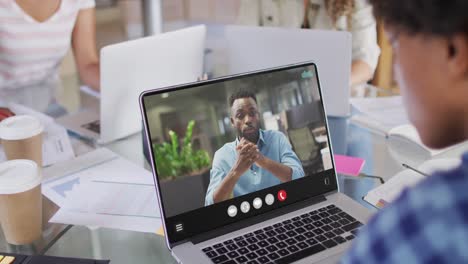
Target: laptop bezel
{"type": "Point", "coordinates": [193, 85]}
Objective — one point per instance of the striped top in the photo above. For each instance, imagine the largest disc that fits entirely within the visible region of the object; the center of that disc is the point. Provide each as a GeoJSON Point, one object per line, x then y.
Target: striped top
{"type": "Point", "coordinates": [31, 51]}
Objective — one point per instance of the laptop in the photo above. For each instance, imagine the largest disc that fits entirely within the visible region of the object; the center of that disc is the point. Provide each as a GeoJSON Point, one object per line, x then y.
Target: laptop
{"type": "Point", "coordinates": [213, 146]}
{"type": "Point", "coordinates": [255, 48]}
{"type": "Point", "coordinates": [131, 67]}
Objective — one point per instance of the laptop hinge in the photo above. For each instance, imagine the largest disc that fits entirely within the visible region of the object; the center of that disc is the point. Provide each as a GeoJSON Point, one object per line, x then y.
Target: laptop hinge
{"type": "Point", "coordinates": [257, 219]}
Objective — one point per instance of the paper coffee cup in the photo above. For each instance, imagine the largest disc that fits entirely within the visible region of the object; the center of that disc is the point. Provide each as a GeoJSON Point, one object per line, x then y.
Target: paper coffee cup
{"type": "Point", "coordinates": [21, 137]}
{"type": "Point", "coordinates": [20, 201]}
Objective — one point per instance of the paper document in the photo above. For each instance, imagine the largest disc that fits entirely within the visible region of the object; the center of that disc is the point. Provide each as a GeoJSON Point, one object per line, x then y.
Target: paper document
{"type": "Point", "coordinates": [56, 144]}
{"type": "Point", "coordinates": [113, 198]}
{"type": "Point", "coordinates": [132, 207]}
{"type": "Point", "coordinates": [381, 113]}
{"type": "Point", "coordinates": [368, 105]}
{"type": "Point", "coordinates": [388, 192]}
{"type": "Point", "coordinates": [125, 206]}
{"type": "Point", "coordinates": [129, 223]}
{"type": "Point", "coordinates": [103, 189]}
{"type": "Point", "coordinates": [61, 177]}
{"type": "Point", "coordinates": [100, 165]}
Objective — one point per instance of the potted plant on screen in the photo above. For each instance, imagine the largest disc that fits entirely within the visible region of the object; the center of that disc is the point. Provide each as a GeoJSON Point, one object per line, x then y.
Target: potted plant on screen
{"type": "Point", "coordinates": [183, 172]}
{"type": "Point", "coordinates": [178, 159]}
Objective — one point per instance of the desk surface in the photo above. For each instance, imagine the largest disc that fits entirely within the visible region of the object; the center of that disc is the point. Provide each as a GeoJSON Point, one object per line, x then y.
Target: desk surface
{"type": "Point", "coordinates": [133, 247]}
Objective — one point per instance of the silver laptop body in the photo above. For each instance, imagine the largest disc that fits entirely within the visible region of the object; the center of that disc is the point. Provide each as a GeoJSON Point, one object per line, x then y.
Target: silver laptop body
{"type": "Point", "coordinates": [197, 234]}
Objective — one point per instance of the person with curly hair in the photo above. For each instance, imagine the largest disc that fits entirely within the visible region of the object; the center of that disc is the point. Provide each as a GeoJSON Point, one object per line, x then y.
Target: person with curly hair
{"type": "Point", "coordinates": [354, 16]}
{"type": "Point", "coordinates": [429, 222]}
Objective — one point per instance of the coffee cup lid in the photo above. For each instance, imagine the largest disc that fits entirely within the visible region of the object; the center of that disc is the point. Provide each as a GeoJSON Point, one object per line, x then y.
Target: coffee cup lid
{"type": "Point", "coordinates": [20, 127]}
{"type": "Point", "coordinates": [18, 176]}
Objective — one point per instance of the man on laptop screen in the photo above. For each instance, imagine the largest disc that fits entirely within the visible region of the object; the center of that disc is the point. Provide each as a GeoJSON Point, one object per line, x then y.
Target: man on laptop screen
{"type": "Point", "coordinates": [255, 160]}
{"type": "Point", "coordinates": [248, 145]}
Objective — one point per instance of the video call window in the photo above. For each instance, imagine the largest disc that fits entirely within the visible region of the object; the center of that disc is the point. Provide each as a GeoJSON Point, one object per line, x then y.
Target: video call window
{"type": "Point", "coordinates": [228, 139]}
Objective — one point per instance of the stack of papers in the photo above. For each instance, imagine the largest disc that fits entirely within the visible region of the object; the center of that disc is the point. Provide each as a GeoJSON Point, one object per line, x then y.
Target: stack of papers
{"type": "Point", "coordinates": [56, 144]}
{"type": "Point", "coordinates": [102, 189]}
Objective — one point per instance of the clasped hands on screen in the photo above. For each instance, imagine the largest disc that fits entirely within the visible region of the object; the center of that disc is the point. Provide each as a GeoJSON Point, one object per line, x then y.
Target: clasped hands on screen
{"type": "Point", "coordinates": [247, 154]}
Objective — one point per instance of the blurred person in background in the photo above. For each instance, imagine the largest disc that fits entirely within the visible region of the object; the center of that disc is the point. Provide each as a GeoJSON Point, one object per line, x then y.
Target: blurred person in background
{"type": "Point", "coordinates": [35, 36]}
{"type": "Point", "coordinates": [354, 16]}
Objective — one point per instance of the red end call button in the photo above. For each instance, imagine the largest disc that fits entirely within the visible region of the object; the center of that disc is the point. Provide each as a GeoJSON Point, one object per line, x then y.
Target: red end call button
{"type": "Point", "coordinates": [282, 195]}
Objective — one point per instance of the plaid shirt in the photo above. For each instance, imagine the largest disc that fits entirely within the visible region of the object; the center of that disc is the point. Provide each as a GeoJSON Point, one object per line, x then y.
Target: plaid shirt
{"type": "Point", "coordinates": [428, 224]}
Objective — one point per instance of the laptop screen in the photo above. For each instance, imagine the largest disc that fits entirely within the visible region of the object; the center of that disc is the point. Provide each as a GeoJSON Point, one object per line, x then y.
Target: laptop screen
{"type": "Point", "coordinates": [237, 147]}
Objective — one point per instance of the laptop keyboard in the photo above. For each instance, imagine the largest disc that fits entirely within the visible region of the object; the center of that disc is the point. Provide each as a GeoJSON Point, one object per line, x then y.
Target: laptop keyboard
{"type": "Point", "coordinates": [94, 126]}
{"type": "Point", "coordinates": [289, 240]}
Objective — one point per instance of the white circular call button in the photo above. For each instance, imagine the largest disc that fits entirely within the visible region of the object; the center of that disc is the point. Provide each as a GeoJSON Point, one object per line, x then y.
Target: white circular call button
{"type": "Point", "coordinates": [257, 203]}
{"type": "Point", "coordinates": [269, 199]}
{"type": "Point", "coordinates": [232, 211]}
{"type": "Point", "coordinates": [245, 207]}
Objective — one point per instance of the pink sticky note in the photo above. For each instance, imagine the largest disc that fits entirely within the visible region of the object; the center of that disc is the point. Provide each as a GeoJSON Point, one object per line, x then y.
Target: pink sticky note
{"type": "Point", "coordinates": [348, 165]}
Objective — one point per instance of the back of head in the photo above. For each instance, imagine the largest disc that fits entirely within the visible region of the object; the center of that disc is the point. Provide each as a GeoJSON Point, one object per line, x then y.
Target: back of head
{"type": "Point", "coordinates": [434, 17]}
{"type": "Point", "coordinates": [430, 46]}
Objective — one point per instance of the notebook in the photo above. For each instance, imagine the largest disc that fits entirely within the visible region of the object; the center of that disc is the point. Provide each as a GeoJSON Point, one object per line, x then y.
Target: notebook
{"type": "Point", "coordinates": [347, 165]}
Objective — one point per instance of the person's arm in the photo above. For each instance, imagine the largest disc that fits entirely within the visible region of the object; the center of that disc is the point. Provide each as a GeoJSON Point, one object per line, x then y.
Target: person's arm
{"type": "Point", "coordinates": [282, 172]}
{"type": "Point", "coordinates": [216, 176]}
{"type": "Point", "coordinates": [365, 50]}
{"type": "Point", "coordinates": [219, 169]}
{"type": "Point", "coordinates": [84, 48]}
{"type": "Point", "coordinates": [361, 72]}
{"type": "Point", "coordinates": [226, 186]}
{"type": "Point", "coordinates": [247, 154]}
{"type": "Point", "coordinates": [286, 169]}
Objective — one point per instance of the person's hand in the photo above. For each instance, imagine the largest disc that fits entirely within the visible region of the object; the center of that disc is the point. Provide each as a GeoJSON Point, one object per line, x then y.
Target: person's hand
{"type": "Point", "coordinates": [5, 113]}
{"type": "Point", "coordinates": [247, 155]}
